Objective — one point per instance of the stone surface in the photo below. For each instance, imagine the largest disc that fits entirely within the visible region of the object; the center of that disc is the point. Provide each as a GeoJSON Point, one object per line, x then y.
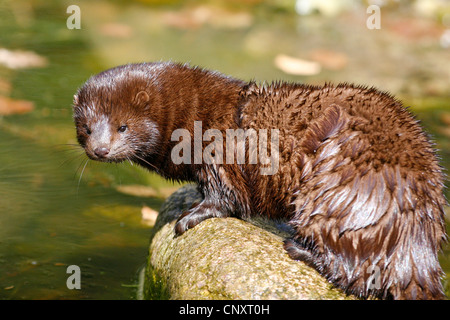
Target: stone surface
{"type": "Point", "coordinates": [225, 259]}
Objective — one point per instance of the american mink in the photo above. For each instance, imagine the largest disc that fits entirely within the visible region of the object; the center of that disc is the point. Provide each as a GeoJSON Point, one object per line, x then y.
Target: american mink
{"type": "Point", "coordinates": [356, 177]}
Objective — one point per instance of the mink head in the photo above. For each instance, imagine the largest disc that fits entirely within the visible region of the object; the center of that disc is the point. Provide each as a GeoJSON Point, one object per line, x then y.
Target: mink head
{"type": "Point", "coordinates": [113, 114]}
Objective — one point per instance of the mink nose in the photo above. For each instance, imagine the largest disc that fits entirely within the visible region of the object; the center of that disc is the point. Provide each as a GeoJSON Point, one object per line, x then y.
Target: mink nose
{"type": "Point", "coordinates": [101, 152]}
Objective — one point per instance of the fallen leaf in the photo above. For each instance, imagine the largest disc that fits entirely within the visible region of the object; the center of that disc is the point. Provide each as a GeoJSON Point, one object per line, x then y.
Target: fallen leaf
{"type": "Point", "coordinates": [296, 66]}
{"type": "Point", "coordinates": [445, 131]}
{"type": "Point", "coordinates": [330, 59]}
{"type": "Point", "coordinates": [10, 106]}
{"type": "Point", "coordinates": [149, 216]}
{"type": "Point", "coordinates": [199, 16]}
{"type": "Point", "coordinates": [137, 190]}
{"type": "Point", "coordinates": [19, 59]}
{"type": "Point", "coordinates": [116, 30]}
{"type": "Point", "coordinates": [415, 29]}
{"type": "Point", "coordinates": [445, 118]}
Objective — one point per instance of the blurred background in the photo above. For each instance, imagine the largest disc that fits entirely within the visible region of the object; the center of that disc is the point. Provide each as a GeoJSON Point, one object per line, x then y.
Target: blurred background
{"type": "Point", "coordinates": [58, 209]}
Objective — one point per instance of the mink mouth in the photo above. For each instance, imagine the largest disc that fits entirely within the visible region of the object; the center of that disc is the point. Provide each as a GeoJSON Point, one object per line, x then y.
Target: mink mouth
{"type": "Point", "coordinates": [107, 159]}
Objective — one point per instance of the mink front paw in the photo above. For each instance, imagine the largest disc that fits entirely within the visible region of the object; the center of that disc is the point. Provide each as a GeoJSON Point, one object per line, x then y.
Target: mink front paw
{"type": "Point", "coordinates": [195, 215]}
{"type": "Point", "coordinates": [184, 223]}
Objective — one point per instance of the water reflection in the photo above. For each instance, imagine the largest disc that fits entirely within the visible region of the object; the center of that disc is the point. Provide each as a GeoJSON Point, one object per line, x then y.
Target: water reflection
{"type": "Point", "coordinates": [48, 222]}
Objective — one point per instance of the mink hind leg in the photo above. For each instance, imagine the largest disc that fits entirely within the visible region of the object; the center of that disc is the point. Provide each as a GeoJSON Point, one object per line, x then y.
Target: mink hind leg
{"type": "Point", "coordinates": [297, 251]}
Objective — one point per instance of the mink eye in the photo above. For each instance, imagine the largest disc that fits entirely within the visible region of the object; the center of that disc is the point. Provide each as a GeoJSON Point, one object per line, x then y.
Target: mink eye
{"type": "Point", "coordinates": [122, 129]}
{"type": "Point", "coordinates": [87, 130]}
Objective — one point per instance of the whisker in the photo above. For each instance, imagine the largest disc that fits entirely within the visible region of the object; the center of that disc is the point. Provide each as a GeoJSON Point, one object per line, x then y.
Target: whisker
{"type": "Point", "coordinates": [69, 145]}
{"type": "Point", "coordinates": [65, 149]}
{"type": "Point", "coordinates": [143, 160]}
{"type": "Point", "coordinates": [82, 171]}
{"type": "Point", "coordinates": [66, 161]}
{"type": "Point", "coordinates": [129, 160]}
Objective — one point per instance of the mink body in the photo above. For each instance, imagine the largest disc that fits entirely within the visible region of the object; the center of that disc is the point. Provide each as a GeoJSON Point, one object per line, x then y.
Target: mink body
{"type": "Point", "coordinates": [357, 178]}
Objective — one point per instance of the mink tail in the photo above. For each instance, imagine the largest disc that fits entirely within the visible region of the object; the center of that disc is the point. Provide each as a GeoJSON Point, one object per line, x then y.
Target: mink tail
{"type": "Point", "coordinates": [384, 244]}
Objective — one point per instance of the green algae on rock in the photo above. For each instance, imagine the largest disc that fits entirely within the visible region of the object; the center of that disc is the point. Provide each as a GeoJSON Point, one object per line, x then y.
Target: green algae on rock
{"type": "Point", "coordinates": [225, 259]}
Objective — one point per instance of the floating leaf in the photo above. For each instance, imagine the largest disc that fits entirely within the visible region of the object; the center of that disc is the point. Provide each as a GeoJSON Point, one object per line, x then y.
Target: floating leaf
{"type": "Point", "coordinates": [137, 190]}
{"type": "Point", "coordinates": [11, 106]}
{"type": "Point", "coordinates": [296, 66]}
{"type": "Point", "coordinates": [330, 59]}
{"type": "Point", "coordinates": [116, 30]}
{"type": "Point", "coordinates": [149, 216]}
{"type": "Point", "coordinates": [19, 59]}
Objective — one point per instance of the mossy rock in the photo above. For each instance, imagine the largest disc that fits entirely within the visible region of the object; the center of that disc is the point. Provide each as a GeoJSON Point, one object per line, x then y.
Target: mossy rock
{"type": "Point", "coordinates": [225, 259]}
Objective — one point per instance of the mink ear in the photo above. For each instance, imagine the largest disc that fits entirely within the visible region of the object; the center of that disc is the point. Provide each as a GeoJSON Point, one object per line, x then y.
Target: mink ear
{"type": "Point", "coordinates": [75, 100]}
{"type": "Point", "coordinates": [142, 97]}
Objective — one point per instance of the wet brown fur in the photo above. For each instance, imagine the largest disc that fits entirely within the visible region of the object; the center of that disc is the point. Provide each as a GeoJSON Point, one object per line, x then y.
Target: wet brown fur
{"type": "Point", "coordinates": [358, 179]}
